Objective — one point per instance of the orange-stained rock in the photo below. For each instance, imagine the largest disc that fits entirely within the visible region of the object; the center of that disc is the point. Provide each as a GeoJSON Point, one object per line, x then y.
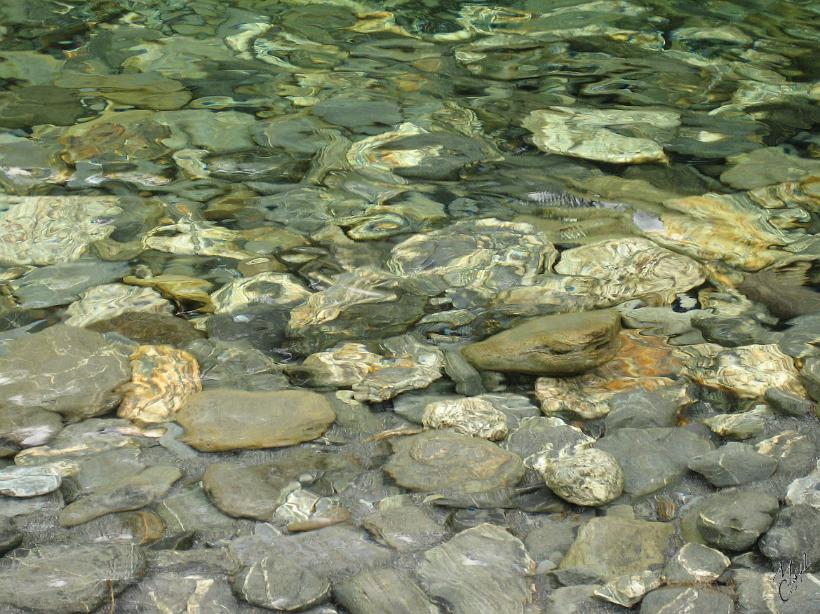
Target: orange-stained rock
{"type": "Point", "coordinates": [642, 361]}
{"type": "Point", "coordinates": [163, 379]}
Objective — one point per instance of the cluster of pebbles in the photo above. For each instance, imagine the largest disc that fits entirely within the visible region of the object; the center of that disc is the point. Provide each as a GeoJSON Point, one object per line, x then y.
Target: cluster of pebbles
{"type": "Point", "coordinates": [359, 307]}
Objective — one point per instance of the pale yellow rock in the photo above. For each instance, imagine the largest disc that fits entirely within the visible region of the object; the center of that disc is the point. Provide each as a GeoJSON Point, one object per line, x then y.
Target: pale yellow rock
{"type": "Point", "coordinates": [276, 289]}
{"type": "Point", "coordinates": [629, 268]}
{"type": "Point", "coordinates": [108, 301]}
{"type": "Point", "coordinates": [750, 230]}
{"type": "Point", "coordinates": [471, 416]}
{"type": "Point", "coordinates": [49, 229]}
{"type": "Point", "coordinates": [746, 371]}
{"type": "Point", "coordinates": [584, 133]}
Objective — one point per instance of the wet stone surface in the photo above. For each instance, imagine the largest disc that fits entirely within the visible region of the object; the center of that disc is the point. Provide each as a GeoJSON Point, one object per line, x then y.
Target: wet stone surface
{"type": "Point", "coordinates": [362, 307]}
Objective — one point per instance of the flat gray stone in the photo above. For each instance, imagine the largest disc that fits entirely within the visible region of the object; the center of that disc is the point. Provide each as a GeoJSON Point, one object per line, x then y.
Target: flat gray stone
{"type": "Point", "coordinates": [483, 569]}
{"type": "Point", "coordinates": [332, 552]}
{"type": "Point", "coordinates": [69, 578]}
{"type": "Point", "coordinates": [130, 493]}
{"type": "Point", "coordinates": [25, 427]}
{"type": "Point", "coordinates": [404, 527]}
{"type": "Point", "coordinates": [376, 591]}
{"type": "Point", "coordinates": [732, 464]}
{"type": "Point", "coordinates": [802, 596]}
{"type": "Point", "coordinates": [278, 583]}
{"type": "Point", "coordinates": [545, 437]}
{"type": "Point", "coordinates": [10, 537]}
{"type": "Point", "coordinates": [223, 419]}
{"type": "Point", "coordinates": [673, 600]}
{"type": "Point", "coordinates": [641, 408]}
{"type": "Point", "coordinates": [191, 511]}
{"type": "Point", "coordinates": [805, 489]}
{"type": "Point", "coordinates": [179, 592]}
{"type": "Point", "coordinates": [577, 599]}
{"type": "Point", "coordinates": [628, 590]}
{"type": "Point", "coordinates": [756, 591]}
{"type": "Point", "coordinates": [28, 481]}
{"type": "Point", "coordinates": [246, 492]}
{"type": "Point", "coordinates": [734, 520]}
{"type": "Point", "coordinates": [695, 563]}
{"type": "Point", "coordinates": [789, 404]}
{"type": "Point", "coordinates": [550, 542]}
{"type": "Point", "coordinates": [810, 377]}
{"type": "Point", "coordinates": [50, 370]}
{"type": "Point", "coordinates": [62, 283]}
{"type": "Point", "coordinates": [793, 535]}
{"type": "Point", "coordinates": [652, 458]}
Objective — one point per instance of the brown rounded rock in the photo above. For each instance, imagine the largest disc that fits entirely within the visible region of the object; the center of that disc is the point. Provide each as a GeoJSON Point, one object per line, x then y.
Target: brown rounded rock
{"type": "Point", "coordinates": [226, 419]}
{"type": "Point", "coordinates": [564, 344]}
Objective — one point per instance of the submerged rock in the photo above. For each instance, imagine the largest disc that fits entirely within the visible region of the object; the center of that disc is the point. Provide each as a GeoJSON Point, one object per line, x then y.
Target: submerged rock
{"type": "Point", "coordinates": [687, 599]}
{"type": "Point", "coordinates": [130, 493]}
{"type": "Point", "coordinates": [26, 427]}
{"type": "Point", "coordinates": [743, 425]}
{"type": "Point", "coordinates": [60, 284]}
{"type": "Point", "coordinates": [733, 464]}
{"type": "Point", "coordinates": [584, 477]}
{"type": "Point", "coordinates": [112, 300]}
{"type": "Point", "coordinates": [746, 371]}
{"type": "Point", "coordinates": [617, 545]}
{"type": "Point", "coordinates": [629, 590]}
{"type": "Point", "coordinates": [437, 461]}
{"type": "Point", "coordinates": [652, 458]}
{"type": "Point", "coordinates": [223, 419]}
{"type": "Point", "coordinates": [150, 328]}
{"type": "Point", "coordinates": [695, 563]}
{"type": "Point", "coordinates": [408, 365]}
{"type": "Point", "coordinates": [470, 416]}
{"type": "Point", "coordinates": [375, 591]}
{"type": "Point", "coordinates": [174, 591]}
{"type": "Point", "coordinates": [403, 526]}
{"type": "Point", "coordinates": [29, 481]}
{"type": "Point", "coordinates": [279, 584]}
{"type": "Point", "coordinates": [162, 381]}
{"type": "Point", "coordinates": [332, 552]}
{"type": "Point", "coordinates": [483, 569]}
{"type": "Point", "coordinates": [49, 370]}
{"type": "Point", "coordinates": [538, 440]}
{"type": "Point", "coordinates": [565, 344]}
{"type": "Point", "coordinates": [486, 254]}
{"type": "Point", "coordinates": [631, 268]}
{"type": "Point", "coordinates": [273, 289]}
{"type": "Point", "coordinates": [749, 230]}
{"type": "Point", "coordinates": [734, 520]}
{"type": "Point", "coordinates": [805, 490]}
{"type": "Point", "coordinates": [793, 535]}
{"type": "Point", "coordinates": [784, 294]}
{"type": "Point", "coordinates": [247, 492]}
{"type": "Point", "coordinates": [641, 363]}
{"type": "Point", "coordinates": [49, 229]}
{"type": "Point", "coordinates": [359, 304]}
{"type": "Point", "coordinates": [765, 166]}
{"type": "Point", "coordinates": [69, 577]}
{"type": "Point", "coordinates": [585, 133]}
